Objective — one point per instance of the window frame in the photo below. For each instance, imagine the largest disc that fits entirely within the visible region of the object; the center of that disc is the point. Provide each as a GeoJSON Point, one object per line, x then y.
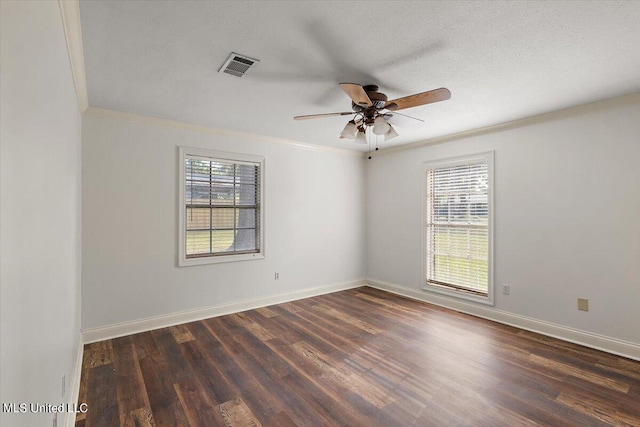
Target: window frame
{"type": "Point", "coordinates": [185, 152]}
{"type": "Point", "coordinates": [482, 157]}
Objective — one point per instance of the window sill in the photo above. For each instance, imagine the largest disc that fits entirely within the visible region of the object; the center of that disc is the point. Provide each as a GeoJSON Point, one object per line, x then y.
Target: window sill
{"type": "Point", "coordinates": [460, 294]}
{"type": "Point", "coordinates": [188, 262]}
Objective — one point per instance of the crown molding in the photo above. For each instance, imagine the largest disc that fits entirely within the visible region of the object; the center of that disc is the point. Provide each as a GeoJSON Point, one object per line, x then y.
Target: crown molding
{"type": "Point", "coordinates": [70, 12]}
{"type": "Point", "coordinates": [104, 113]}
{"type": "Point", "coordinates": [619, 101]}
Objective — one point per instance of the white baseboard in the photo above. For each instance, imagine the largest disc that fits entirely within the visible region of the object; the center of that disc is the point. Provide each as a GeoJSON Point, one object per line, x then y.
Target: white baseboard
{"type": "Point", "coordinates": [587, 339]}
{"type": "Point", "coordinates": [150, 323]}
{"type": "Point", "coordinates": [74, 390]}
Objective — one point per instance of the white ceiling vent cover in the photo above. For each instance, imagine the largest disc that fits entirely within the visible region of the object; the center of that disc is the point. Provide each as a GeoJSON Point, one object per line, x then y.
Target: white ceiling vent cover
{"type": "Point", "coordinates": [237, 64]}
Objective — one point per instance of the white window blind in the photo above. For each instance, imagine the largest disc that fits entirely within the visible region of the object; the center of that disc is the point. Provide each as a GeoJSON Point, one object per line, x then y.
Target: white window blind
{"type": "Point", "coordinates": [221, 207]}
{"type": "Point", "coordinates": [457, 226]}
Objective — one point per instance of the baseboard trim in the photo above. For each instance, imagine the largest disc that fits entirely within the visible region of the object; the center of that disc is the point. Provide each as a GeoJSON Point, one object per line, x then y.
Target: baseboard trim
{"type": "Point", "coordinates": [587, 339]}
{"type": "Point", "coordinates": [150, 323]}
{"type": "Point", "coordinates": [74, 390]}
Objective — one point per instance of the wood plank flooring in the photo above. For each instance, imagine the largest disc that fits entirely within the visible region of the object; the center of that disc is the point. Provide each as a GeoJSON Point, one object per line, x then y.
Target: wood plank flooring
{"type": "Point", "coordinates": [360, 357]}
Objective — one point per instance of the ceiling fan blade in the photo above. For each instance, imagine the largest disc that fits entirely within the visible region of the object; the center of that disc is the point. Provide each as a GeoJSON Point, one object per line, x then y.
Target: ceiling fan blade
{"type": "Point", "coordinates": [357, 94]}
{"type": "Point", "coordinates": [417, 99]}
{"type": "Point", "coordinates": [317, 116]}
{"type": "Point", "coordinates": [403, 121]}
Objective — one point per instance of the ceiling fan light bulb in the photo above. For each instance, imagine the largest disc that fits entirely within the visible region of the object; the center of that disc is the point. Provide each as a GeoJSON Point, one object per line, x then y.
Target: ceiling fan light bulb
{"type": "Point", "coordinates": [380, 126]}
{"type": "Point", "coordinates": [349, 130]}
{"type": "Point", "coordinates": [361, 138]}
{"type": "Point", "coordinates": [390, 134]}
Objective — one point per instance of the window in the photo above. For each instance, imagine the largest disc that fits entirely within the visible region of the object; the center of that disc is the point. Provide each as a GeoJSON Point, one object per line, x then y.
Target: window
{"type": "Point", "coordinates": [458, 227]}
{"type": "Point", "coordinates": [220, 207]}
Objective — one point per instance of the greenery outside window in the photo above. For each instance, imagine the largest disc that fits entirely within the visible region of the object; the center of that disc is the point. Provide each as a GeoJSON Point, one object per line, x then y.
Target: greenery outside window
{"type": "Point", "coordinates": [220, 207]}
{"type": "Point", "coordinates": [458, 227]}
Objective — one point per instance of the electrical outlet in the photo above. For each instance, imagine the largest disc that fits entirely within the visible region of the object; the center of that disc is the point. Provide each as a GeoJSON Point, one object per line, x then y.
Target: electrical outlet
{"type": "Point", "coordinates": [64, 385]}
{"type": "Point", "coordinates": [583, 304]}
{"type": "Point", "coordinates": [276, 276]}
{"type": "Point", "coordinates": [506, 289]}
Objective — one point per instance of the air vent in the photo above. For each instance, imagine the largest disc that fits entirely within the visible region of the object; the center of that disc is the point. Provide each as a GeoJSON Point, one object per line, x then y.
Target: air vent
{"type": "Point", "coordinates": [237, 64]}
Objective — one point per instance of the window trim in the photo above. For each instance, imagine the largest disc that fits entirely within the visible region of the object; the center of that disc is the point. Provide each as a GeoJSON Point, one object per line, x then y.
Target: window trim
{"type": "Point", "coordinates": [183, 261]}
{"type": "Point", "coordinates": [488, 157]}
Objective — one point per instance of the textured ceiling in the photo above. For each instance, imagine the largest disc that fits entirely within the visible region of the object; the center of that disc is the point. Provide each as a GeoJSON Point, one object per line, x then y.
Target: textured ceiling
{"type": "Point", "coordinates": [500, 60]}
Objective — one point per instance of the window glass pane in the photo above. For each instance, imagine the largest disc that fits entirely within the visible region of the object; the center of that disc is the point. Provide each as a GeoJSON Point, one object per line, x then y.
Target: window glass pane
{"type": "Point", "coordinates": [246, 194]}
{"type": "Point", "coordinates": [197, 170]}
{"type": "Point", "coordinates": [222, 240]}
{"type": "Point", "coordinates": [222, 172]}
{"type": "Point", "coordinates": [245, 240]}
{"type": "Point", "coordinates": [197, 242]}
{"type": "Point", "coordinates": [246, 218]}
{"type": "Point", "coordinates": [198, 218]}
{"type": "Point", "coordinates": [222, 194]}
{"type": "Point", "coordinates": [246, 174]}
{"type": "Point", "coordinates": [224, 218]}
{"type": "Point", "coordinates": [197, 193]}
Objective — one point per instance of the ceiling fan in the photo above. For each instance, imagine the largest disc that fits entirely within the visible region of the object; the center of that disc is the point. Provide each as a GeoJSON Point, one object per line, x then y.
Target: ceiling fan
{"type": "Point", "coordinates": [373, 111]}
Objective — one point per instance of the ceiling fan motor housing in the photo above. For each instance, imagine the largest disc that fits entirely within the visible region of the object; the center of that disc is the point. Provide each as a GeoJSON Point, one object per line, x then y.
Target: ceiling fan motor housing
{"type": "Point", "coordinates": [378, 99]}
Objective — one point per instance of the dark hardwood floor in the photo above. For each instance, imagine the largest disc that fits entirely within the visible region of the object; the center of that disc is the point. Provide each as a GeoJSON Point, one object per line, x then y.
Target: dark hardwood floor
{"type": "Point", "coordinates": [361, 357]}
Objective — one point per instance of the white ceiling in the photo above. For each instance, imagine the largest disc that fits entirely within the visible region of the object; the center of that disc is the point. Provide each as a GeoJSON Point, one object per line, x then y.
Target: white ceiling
{"type": "Point", "coordinates": [500, 60]}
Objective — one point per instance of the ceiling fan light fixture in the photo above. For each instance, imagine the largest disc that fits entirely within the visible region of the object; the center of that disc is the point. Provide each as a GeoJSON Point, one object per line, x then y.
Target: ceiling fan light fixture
{"type": "Point", "coordinates": [361, 137]}
{"type": "Point", "coordinates": [390, 134]}
{"type": "Point", "coordinates": [349, 130]}
{"type": "Point", "coordinates": [380, 126]}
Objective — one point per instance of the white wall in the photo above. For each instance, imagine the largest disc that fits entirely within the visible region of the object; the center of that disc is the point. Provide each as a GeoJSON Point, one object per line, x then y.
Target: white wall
{"type": "Point", "coordinates": [314, 223]}
{"type": "Point", "coordinates": [567, 219]}
{"type": "Point", "coordinates": [40, 212]}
